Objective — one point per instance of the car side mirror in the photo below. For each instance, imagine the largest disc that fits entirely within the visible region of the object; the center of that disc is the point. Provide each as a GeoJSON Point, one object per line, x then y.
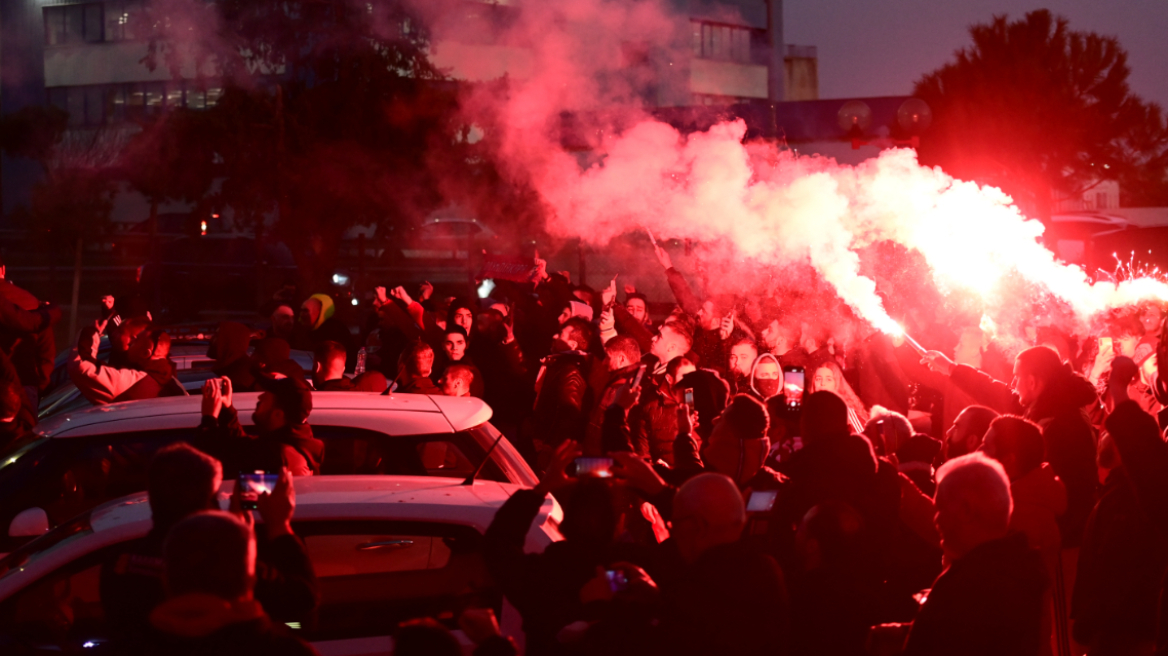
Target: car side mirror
{"type": "Point", "coordinates": [28, 523]}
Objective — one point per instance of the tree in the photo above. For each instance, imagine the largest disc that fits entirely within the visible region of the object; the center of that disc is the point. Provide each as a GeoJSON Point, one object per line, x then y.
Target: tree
{"type": "Point", "coordinates": [1041, 110]}
{"type": "Point", "coordinates": [331, 116]}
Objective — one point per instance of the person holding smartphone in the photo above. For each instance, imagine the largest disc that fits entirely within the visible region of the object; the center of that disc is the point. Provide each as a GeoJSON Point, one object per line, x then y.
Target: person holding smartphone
{"type": "Point", "coordinates": [183, 481]}
{"type": "Point", "coordinates": [285, 439]}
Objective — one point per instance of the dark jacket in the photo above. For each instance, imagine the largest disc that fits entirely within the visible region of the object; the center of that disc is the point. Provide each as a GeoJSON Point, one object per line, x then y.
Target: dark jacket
{"type": "Point", "coordinates": [1145, 459]}
{"type": "Point", "coordinates": [1069, 438]}
{"type": "Point", "coordinates": [732, 600]}
{"type": "Point", "coordinates": [159, 381]}
{"type": "Point", "coordinates": [988, 602]}
{"type": "Point", "coordinates": [341, 384]}
{"type": "Point", "coordinates": [543, 587]}
{"type": "Point", "coordinates": [417, 385]}
{"type": "Point", "coordinates": [131, 585]}
{"type": "Point", "coordinates": [564, 398]}
{"type": "Point", "coordinates": [203, 625]}
{"type": "Point", "coordinates": [593, 443]}
{"type": "Point", "coordinates": [290, 446]}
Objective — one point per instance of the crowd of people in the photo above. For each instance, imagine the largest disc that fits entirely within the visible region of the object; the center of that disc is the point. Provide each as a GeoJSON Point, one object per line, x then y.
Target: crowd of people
{"type": "Point", "coordinates": [736, 478]}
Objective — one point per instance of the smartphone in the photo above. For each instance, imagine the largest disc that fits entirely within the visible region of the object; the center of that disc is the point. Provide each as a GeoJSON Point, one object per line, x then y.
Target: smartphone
{"type": "Point", "coordinates": [638, 376]}
{"type": "Point", "coordinates": [223, 386]}
{"type": "Point", "coordinates": [689, 397]}
{"type": "Point", "coordinates": [793, 386]}
{"type": "Point", "coordinates": [617, 581]}
{"type": "Point", "coordinates": [1104, 343]}
{"type": "Point", "coordinates": [252, 485]}
{"type": "Point", "coordinates": [761, 500]}
{"type": "Point", "coordinates": [593, 467]}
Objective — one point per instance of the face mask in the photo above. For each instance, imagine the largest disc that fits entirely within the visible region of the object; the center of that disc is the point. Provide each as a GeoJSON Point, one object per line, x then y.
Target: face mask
{"type": "Point", "coordinates": [769, 388]}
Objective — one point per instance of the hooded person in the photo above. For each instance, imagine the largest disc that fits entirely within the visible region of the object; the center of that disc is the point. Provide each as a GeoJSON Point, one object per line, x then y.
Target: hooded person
{"type": "Point", "coordinates": [97, 381]}
{"type": "Point", "coordinates": [317, 314]}
{"type": "Point", "coordinates": [766, 385]}
{"type": "Point", "coordinates": [228, 348]}
{"type": "Point", "coordinates": [284, 438]}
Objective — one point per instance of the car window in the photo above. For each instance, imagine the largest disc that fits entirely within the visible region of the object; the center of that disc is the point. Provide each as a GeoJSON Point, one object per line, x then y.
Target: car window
{"type": "Point", "coordinates": [358, 451]}
{"type": "Point", "coordinates": [62, 612]}
{"type": "Point", "coordinates": [374, 575]}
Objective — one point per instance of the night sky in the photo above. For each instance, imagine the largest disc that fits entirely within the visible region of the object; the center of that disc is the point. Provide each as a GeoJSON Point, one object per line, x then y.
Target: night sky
{"type": "Point", "coordinates": [881, 47]}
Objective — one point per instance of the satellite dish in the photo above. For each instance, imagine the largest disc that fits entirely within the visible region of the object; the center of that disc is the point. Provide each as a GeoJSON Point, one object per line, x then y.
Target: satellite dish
{"type": "Point", "coordinates": [914, 115]}
{"type": "Point", "coordinates": [854, 116]}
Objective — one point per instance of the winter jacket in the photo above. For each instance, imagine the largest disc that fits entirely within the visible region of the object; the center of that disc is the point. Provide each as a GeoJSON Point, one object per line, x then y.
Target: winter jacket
{"type": "Point", "coordinates": [341, 384]}
{"type": "Point", "coordinates": [418, 385]}
{"type": "Point", "coordinates": [987, 602]}
{"type": "Point", "coordinates": [732, 600]}
{"type": "Point", "coordinates": [1039, 500]}
{"type": "Point", "coordinates": [593, 443]}
{"type": "Point", "coordinates": [292, 447]}
{"type": "Point", "coordinates": [97, 381]}
{"type": "Point", "coordinates": [563, 399]}
{"type": "Point", "coordinates": [1121, 566]}
{"type": "Point", "coordinates": [1069, 438]}
{"type": "Point", "coordinates": [159, 381]}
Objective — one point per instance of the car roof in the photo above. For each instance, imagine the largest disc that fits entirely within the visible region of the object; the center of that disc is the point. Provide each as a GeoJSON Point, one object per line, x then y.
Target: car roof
{"type": "Point", "coordinates": [414, 413]}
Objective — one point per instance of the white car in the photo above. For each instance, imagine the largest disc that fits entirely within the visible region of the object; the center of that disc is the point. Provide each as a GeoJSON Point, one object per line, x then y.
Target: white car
{"type": "Point", "coordinates": [385, 550]}
{"type": "Point", "coordinates": [79, 460]}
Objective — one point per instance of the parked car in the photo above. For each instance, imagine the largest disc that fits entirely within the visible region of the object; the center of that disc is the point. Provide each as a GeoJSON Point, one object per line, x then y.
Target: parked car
{"type": "Point", "coordinates": [385, 549]}
{"type": "Point", "coordinates": [78, 460]}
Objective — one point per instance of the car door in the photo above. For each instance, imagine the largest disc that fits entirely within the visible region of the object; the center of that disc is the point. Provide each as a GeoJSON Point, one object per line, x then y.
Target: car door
{"type": "Point", "coordinates": [374, 575]}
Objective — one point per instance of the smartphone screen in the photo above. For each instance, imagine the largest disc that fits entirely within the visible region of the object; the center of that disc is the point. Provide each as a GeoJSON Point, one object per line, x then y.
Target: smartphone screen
{"type": "Point", "coordinates": [793, 385]}
{"type": "Point", "coordinates": [593, 467]}
{"type": "Point", "coordinates": [689, 397]}
{"type": "Point", "coordinates": [251, 486]}
{"type": "Point", "coordinates": [617, 581]}
{"type": "Point", "coordinates": [761, 500]}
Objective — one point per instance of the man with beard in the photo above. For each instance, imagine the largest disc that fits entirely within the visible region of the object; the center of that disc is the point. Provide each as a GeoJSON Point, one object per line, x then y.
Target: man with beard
{"type": "Point", "coordinates": [1048, 392]}
{"type": "Point", "coordinates": [967, 431]}
{"type": "Point", "coordinates": [284, 437]}
{"type": "Point", "coordinates": [742, 356]}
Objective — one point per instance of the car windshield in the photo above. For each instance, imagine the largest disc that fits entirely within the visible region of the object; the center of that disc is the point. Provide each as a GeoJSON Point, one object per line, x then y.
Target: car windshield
{"type": "Point", "coordinates": [67, 533]}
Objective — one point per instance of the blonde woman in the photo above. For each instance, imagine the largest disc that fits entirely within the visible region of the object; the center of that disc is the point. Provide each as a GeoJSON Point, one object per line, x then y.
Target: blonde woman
{"type": "Point", "coordinates": [828, 377]}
